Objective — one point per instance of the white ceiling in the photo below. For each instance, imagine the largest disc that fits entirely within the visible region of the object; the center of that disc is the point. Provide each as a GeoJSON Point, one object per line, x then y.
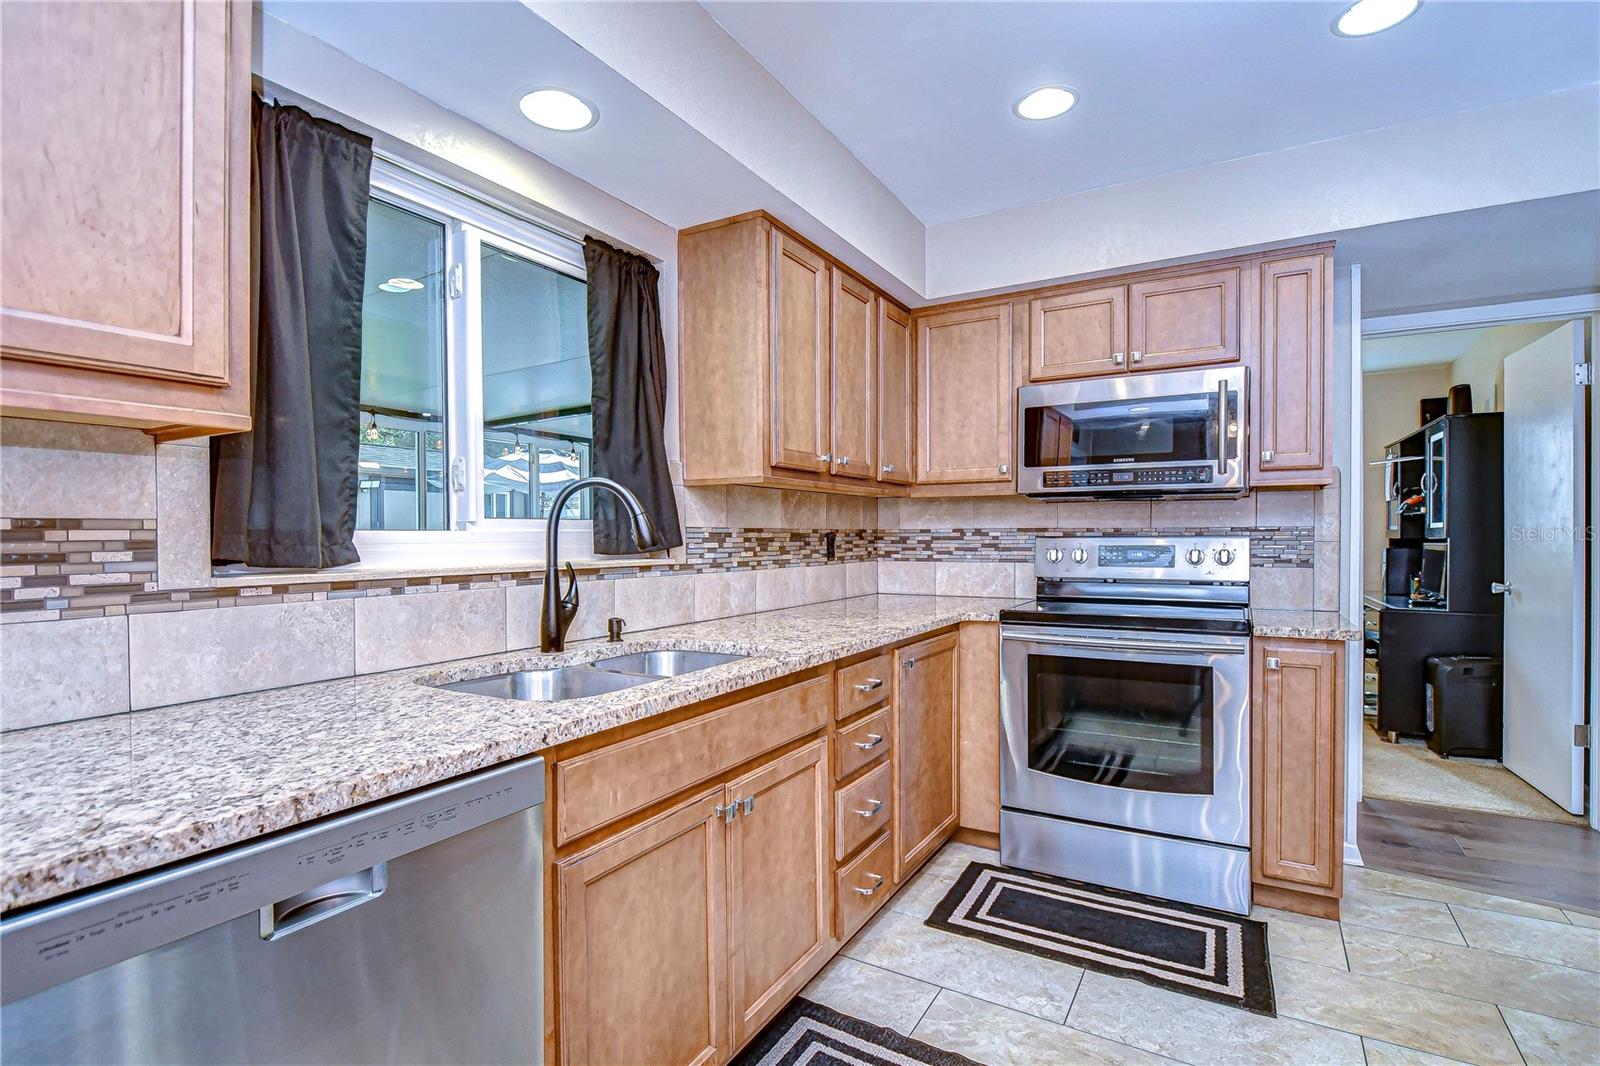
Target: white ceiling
{"type": "Point", "coordinates": [1379, 354]}
{"type": "Point", "coordinates": [921, 92]}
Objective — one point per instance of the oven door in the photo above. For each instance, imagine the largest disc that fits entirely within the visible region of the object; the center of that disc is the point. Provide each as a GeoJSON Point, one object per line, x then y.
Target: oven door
{"type": "Point", "coordinates": [1139, 433]}
{"type": "Point", "coordinates": [1142, 730]}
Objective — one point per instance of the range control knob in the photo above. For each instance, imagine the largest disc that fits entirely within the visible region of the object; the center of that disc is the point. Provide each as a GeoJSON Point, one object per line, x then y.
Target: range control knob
{"type": "Point", "coordinates": [1052, 555]}
{"type": "Point", "coordinates": [1080, 555]}
{"type": "Point", "coordinates": [1224, 556]}
{"type": "Point", "coordinates": [1195, 556]}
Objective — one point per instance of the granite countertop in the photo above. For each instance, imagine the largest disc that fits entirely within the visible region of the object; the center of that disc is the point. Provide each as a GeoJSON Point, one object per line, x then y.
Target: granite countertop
{"type": "Point", "coordinates": [1304, 625]}
{"type": "Point", "coordinates": [87, 802]}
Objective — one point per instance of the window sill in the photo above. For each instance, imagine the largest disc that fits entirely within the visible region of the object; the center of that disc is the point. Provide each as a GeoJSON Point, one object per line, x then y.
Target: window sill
{"type": "Point", "coordinates": [363, 572]}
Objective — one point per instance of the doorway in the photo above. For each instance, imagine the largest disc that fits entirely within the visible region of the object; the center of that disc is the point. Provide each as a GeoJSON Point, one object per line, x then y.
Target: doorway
{"type": "Point", "coordinates": [1476, 594]}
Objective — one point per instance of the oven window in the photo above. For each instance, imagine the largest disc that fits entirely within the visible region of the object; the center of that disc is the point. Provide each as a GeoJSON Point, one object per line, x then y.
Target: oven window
{"type": "Point", "coordinates": [1136, 725]}
{"type": "Point", "coordinates": [1168, 429]}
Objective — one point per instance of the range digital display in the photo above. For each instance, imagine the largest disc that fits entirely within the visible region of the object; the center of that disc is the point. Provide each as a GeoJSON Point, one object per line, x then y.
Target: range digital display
{"type": "Point", "coordinates": [1142, 556]}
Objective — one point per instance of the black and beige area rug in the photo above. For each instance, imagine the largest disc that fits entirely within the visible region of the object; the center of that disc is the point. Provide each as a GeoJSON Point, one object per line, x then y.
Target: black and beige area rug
{"type": "Point", "coordinates": [1194, 950]}
{"type": "Point", "coordinates": [809, 1033]}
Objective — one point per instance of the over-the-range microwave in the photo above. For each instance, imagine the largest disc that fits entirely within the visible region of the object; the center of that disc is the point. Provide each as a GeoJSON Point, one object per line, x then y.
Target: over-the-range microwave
{"type": "Point", "coordinates": [1176, 433]}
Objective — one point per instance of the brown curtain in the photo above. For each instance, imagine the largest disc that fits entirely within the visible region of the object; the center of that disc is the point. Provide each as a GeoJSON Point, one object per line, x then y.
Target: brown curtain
{"type": "Point", "coordinates": [284, 494]}
{"type": "Point", "coordinates": [628, 365]}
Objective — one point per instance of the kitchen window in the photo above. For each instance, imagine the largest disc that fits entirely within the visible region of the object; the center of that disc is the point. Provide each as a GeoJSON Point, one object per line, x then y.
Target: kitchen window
{"type": "Point", "coordinates": [475, 390]}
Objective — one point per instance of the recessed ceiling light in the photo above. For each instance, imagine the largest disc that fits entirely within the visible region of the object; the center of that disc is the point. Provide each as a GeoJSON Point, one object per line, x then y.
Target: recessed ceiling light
{"type": "Point", "coordinates": [1366, 17]}
{"type": "Point", "coordinates": [1046, 102]}
{"type": "Point", "coordinates": [401, 285]}
{"type": "Point", "coordinates": [557, 109]}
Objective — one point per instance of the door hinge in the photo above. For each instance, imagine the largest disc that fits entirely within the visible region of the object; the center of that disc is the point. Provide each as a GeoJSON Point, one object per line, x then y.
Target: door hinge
{"type": "Point", "coordinates": [1583, 374]}
{"type": "Point", "coordinates": [1582, 736]}
{"type": "Point", "coordinates": [455, 281]}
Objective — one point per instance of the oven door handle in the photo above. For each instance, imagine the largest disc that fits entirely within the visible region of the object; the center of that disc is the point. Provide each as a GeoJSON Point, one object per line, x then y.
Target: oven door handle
{"type": "Point", "coordinates": [1125, 645]}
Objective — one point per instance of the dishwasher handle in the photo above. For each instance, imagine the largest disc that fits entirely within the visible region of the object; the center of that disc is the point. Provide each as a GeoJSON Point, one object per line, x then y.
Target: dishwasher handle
{"type": "Point", "coordinates": [305, 909]}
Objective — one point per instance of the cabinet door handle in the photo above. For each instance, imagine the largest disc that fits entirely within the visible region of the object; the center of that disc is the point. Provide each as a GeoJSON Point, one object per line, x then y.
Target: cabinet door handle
{"type": "Point", "coordinates": [877, 881]}
{"type": "Point", "coordinates": [1116, 358]}
{"type": "Point", "coordinates": [1267, 455]}
{"type": "Point", "coordinates": [868, 745]}
{"type": "Point", "coordinates": [747, 805]}
{"type": "Point", "coordinates": [825, 456]}
{"type": "Point", "coordinates": [844, 460]}
{"type": "Point", "coordinates": [727, 811]}
{"type": "Point", "coordinates": [909, 662]}
{"type": "Point", "coordinates": [870, 684]}
{"type": "Point", "coordinates": [1273, 662]}
{"type": "Point", "coordinates": [1136, 357]}
{"type": "Point", "coordinates": [1005, 469]}
{"type": "Point", "coordinates": [877, 805]}
{"type": "Point", "coordinates": [888, 468]}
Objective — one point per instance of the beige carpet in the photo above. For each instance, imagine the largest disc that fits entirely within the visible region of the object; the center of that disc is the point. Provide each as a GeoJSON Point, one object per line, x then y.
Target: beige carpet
{"type": "Point", "coordinates": [1411, 772]}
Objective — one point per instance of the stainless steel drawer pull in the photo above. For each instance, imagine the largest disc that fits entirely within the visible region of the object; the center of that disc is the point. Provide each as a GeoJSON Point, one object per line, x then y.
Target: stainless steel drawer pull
{"type": "Point", "coordinates": [1274, 663]}
{"type": "Point", "coordinates": [1116, 358]}
{"type": "Point", "coordinates": [877, 882]}
{"type": "Point", "coordinates": [909, 663]}
{"type": "Point", "coordinates": [726, 811]}
{"type": "Point", "coordinates": [1137, 357]}
{"type": "Point", "coordinates": [888, 468]}
{"type": "Point", "coordinates": [877, 805]}
{"type": "Point", "coordinates": [307, 908]}
{"type": "Point", "coordinates": [844, 460]}
{"type": "Point", "coordinates": [1267, 455]}
{"type": "Point", "coordinates": [868, 745]}
{"type": "Point", "coordinates": [869, 684]}
{"type": "Point", "coordinates": [747, 805]}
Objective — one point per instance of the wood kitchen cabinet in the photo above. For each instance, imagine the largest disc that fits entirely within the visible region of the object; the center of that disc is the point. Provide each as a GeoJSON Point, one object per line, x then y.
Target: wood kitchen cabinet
{"type": "Point", "coordinates": [779, 363]}
{"type": "Point", "coordinates": [779, 901]}
{"type": "Point", "coordinates": [896, 392]}
{"type": "Point", "coordinates": [1291, 434]}
{"type": "Point", "coordinates": [1078, 334]}
{"type": "Point", "coordinates": [925, 788]}
{"type": "Point", "coordinates": [1297, 774]}
{"type": "Point", "coordinates": [124, 214]}
{"type": "Point", "coordinates": [642, 934]}
{"type": "Point", "coordinates": [965, 395]}
{"type": "Point", "coordinates": [1189, 319]}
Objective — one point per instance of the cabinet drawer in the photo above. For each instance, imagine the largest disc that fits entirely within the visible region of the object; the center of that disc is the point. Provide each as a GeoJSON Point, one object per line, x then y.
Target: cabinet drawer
{"type": "Point", "coordinates": [860, 810]}
{"type": "Point", "coordinates": [860, 743]}
{"type": "Point", "coordinates": [861, 887]}
{"type": "Point", "coordinates": [601, 786]}
{"type": "Point", "coordinates": [862, 685]}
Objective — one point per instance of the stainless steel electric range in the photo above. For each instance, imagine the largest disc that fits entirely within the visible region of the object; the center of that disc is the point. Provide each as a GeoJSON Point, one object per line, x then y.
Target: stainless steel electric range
{"type": "Point", "coordinates": [1125, 711]}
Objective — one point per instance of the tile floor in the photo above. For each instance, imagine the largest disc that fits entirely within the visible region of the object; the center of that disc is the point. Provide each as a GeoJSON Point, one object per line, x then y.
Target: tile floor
{"type": "Point", "coordinates": [1418, 973]}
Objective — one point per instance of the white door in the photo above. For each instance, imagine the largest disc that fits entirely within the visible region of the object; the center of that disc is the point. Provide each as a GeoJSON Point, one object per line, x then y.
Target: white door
{"type": "Point", "coordinates": [1545, 565]}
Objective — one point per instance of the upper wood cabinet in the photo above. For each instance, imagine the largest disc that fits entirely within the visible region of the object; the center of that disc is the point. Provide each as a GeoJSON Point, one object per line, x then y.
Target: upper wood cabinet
{"type": "Point", "coordinates": [124, 214]}
{"type": "Point", "coordinates": [801, 378]}
{"type": "Point", "coordinates": [897, 401]}
{"type": "Point", "coordinates": [643, 969]}
{"type": "Point", "coordinates": [1297, 766]}
{"type": "Point", "coordinates": [778, 363]}
{"type": "Point", "coordinates": [1078, 334]}
{"type": "Point", "coordinates": [926, 795]}
{"type": "Point", "coordinates": [779, 899]}
{"type": "Point", "coordinates": [965, 395]}
{"type": "Point", "coordinates": [1185, 320]}
{"type": "Point", "coordinates": [854, 384]}
{"type": "Point", "coordinates": [1291, 433]}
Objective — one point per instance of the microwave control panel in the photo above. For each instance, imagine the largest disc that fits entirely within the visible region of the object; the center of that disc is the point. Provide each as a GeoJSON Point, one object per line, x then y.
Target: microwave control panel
{"type": "Point", "coordinates": [1199, 474]}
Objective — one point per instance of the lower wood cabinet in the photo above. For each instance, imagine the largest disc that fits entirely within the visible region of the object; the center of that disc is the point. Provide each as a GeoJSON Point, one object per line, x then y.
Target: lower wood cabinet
{"type": "Point", "coordinates": [926, 797]}
{"type": "Point", "coordinates": [778, 878]}
{"type": "Point", "coordinates": [1297, 773]}
{"type": "Point", "coordinates": [643, 933]}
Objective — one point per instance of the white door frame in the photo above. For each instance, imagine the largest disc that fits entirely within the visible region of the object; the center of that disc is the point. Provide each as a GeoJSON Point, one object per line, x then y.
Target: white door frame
{"type": "Point", "coordinates": [1585, 305]}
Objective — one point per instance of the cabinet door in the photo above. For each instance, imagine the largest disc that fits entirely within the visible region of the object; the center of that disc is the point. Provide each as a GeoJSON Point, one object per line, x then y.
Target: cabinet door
{"type": "Point", "coordinates": [1078, 334]}
{"type": "Point", "coordinates": [642, 923]}
{"type": "Point", "coordinates": [1290, 431]}
{"type": "Point", "coordinates": [854, 405]}
{"type": "Point", "coordinates": [925, 787]}
{"type": "Point", "coordinates": [779, 886]}
{"type": "Point", "coordinates": [800, 379]}
{"type": "Point", "coordinates": [964, 396]}
{"type": "Point", "coordinates": [1297, 756]}
{"type": "Point", "coordinates": [122, 205]}
{"type": "Point", "coordinates": [896, 401]}
{"type": "Point", "coordinates": [1189, 320]}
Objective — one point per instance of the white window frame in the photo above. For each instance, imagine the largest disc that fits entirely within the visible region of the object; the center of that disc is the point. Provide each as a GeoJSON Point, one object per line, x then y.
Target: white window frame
{"type": "Point", "coordinates": [469, 537]}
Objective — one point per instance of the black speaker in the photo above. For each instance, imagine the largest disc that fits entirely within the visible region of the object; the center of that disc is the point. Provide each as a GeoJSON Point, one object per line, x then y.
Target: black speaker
{"type": "Point", "coordinates": [1461, 399]}
{"type": "Point", "coordinates": [1399, 566]}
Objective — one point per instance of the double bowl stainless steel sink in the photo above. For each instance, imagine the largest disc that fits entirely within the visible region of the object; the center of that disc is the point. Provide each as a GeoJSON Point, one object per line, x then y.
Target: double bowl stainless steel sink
{"type": "Point", "coordinates": [593, 679]}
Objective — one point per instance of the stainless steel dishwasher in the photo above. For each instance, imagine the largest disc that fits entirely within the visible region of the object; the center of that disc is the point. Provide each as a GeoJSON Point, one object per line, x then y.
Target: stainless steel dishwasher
{"type": "Point", "coordinates": [404, 932]}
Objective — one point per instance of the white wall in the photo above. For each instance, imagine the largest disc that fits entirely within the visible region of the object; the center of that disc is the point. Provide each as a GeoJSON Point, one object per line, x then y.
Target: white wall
{"type": "Point", "coordinates": [1482, 364]}
{"type": "Point", "coordinates": [1547, 146]}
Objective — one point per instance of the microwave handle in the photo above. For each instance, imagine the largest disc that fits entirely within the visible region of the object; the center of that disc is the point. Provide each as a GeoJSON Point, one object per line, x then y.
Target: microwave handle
{"type": "Point", "coordinates": [1222, 427]}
